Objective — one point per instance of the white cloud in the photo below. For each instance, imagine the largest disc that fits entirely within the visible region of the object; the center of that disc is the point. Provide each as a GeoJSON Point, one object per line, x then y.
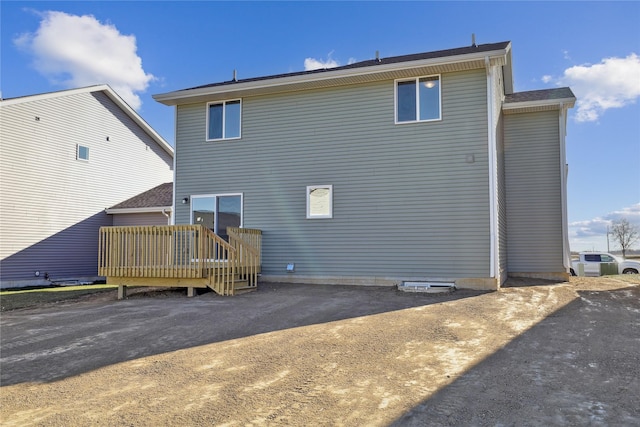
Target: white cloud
{"type": "Point", "coordinates": [317, 64]}
{"type": "Point", "coordinates": [612, 83]}
{"type": "Point", "coordinates": [592, 234]}
{"type": "Point", "coordinates": [76, 51]}
{"type": "Point", "coordinates": [547, 78]}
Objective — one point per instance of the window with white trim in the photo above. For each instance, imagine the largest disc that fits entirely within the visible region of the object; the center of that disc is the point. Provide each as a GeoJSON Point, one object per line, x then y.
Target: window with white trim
{"type": "Point", "coordinates": [418, 99]}
{"type": "Point", "coordinates": [319, 201]}
{"type": "Point", "coordinates": [223, 120]}
{"type": "Point", "coordinates": [82, 152]}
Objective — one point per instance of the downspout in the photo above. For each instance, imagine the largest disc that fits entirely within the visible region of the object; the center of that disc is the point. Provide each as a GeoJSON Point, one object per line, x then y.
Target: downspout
{"type": "Point", "coordinates": [164, 212]}
{"type": "Point", "coordinates": [564, 170]}
{"type": "Point", "coordinates": [493, 168]}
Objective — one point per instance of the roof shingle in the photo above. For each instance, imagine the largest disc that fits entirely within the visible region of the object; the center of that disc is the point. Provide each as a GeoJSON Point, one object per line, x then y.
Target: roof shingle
{"type": "Point", "coordinates": [539, 95]}
{"type": "Point", "coordinates": [160, 196]}
{"type": "Point", "coordinates": [374, 62]}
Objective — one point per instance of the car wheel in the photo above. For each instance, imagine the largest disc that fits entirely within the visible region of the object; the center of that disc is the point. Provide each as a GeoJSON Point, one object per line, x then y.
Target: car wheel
{"type": "Point", "coordinates": [630, 271]}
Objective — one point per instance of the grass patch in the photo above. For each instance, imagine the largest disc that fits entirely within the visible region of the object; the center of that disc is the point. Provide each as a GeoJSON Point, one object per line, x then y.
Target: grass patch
{"type": "Point", "coordinates": [24, 298]}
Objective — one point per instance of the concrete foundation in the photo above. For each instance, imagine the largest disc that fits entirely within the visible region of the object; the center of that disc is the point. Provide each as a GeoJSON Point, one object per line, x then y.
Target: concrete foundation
{"type": "Point", "coordinates": [561, 276]}
{"type": "Point", "coordinates": [479, 283]}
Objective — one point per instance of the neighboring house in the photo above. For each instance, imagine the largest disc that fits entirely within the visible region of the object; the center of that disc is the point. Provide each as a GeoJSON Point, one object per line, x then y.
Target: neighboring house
{"type": "Point", "coordinates": [153, 207]}
{"type": "Point", "coordinates": [424, 167]}
{"type": "Point", "coordinates": [65, 157]}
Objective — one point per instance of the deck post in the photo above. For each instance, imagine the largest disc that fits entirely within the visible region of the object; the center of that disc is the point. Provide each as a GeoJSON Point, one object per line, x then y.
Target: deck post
{"type": "Point", "coordinates": [191, 292]}
{"type": "Point", "coordinates": [122, 291]}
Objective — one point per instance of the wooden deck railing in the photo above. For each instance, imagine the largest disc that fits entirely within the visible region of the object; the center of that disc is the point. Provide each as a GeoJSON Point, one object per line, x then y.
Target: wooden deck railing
{"type": "Point", "coordinates": [181, 252]}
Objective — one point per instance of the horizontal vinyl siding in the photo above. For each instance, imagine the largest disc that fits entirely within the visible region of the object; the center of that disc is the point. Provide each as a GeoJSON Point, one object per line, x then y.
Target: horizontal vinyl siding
{"type": "Point", "coordinates": [52, 204]}
{"type": "Point", "coordinates": [150, 218]}
{"type": "Point", "coordinates": [533, 191]}
{"type": "Point", "coordinates": [405, 201]}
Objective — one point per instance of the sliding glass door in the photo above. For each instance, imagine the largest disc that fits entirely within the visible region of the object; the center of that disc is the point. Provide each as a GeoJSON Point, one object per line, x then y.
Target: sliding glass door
{"type": "Point", "coordinates": [217, 212]}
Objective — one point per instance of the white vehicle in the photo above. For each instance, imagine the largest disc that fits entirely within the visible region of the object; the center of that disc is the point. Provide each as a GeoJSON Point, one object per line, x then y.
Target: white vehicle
{"type": "Point", "coordinates": [592, 263]}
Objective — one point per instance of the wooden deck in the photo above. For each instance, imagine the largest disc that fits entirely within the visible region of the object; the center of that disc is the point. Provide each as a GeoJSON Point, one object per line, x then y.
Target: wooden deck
{"type": "Point", "coordinates": [190, 256]}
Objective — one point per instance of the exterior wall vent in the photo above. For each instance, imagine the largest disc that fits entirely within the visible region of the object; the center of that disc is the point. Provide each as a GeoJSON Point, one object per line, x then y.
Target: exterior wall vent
{"type": "Point", "coordinates": [427, 287]}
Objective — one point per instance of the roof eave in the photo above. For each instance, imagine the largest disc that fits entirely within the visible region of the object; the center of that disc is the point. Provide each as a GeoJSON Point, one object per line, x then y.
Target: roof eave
{"type": "Point", "coordinates": [139, 120]}
{"type": "Point", "coordinates": [112, 95]}
{"type": "Point", "coordinates": [150, 209]}
{"type": "Point", "coordinates": [507, 72]}
{"type": "Point", "coordinates": [333, 78]}
{"type": "Point", "coordinates": [539, 105]}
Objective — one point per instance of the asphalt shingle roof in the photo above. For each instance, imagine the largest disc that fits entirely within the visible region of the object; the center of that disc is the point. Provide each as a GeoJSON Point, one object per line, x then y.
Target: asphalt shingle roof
{"type": "Point", "coordinates": [374, 62]}
{"type": "Point", "coordinates": [539, 95]}
{"type": "Point", "coordinates": [160, 196]}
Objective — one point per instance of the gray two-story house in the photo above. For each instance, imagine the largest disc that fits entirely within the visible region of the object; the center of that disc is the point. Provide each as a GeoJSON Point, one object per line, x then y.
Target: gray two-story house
{"type": "Point", "coordinates": [423, 167]}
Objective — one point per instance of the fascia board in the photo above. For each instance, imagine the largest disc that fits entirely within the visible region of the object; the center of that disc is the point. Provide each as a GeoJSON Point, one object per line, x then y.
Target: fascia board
{"type": "Point", "coordinates": [507, 72]}
{"type": "Point", "coordinates": [50, 95]}
{"type": "Point", "coordinates": [567, 102]}
{"type": "Point", "coordinates": [152, 209]}
{"type": "Point", "coordinates": [497, 57]}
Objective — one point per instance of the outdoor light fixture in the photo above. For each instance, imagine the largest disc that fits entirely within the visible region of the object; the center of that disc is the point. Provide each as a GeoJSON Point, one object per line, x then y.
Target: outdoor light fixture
{"type": "Point", "coordinates": [185, 200]}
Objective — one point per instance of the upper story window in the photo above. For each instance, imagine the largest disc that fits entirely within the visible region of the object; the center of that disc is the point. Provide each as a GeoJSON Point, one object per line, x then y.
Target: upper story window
{"type": "Point", "coordinates": [223, 120]}
{"type": "Point", "coordinates": [418, 99]}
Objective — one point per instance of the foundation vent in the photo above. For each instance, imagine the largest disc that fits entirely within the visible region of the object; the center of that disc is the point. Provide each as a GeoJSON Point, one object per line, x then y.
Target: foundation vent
{"type": "Point", "coordinates": [427, 287]}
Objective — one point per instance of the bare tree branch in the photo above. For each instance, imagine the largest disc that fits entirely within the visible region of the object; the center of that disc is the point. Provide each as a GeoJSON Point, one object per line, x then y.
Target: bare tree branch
{"type": "Point", "coordinates": [625, 234]}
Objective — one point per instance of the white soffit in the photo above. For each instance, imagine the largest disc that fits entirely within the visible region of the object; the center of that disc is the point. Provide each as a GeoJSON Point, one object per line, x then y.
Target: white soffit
{"type": "Point", "coordinates": [534, 106]}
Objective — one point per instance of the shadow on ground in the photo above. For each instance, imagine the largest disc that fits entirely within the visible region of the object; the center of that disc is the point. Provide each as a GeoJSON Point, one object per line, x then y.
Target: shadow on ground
{"type": "Point", "coordinates": [58, 341]}
{"type": "Point", "coordinates": [579, 366]}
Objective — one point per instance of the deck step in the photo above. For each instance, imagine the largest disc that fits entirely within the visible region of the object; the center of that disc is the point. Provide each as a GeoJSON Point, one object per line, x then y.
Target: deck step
{"type": "Point", "coordinates": [427, 287]}
{"type": "Point", "coordinates": [237, 290]}
{"type": "Point", "coordinates": [238, 285]}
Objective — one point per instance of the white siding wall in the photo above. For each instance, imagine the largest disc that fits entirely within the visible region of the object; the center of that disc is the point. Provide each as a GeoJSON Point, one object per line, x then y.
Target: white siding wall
{"type": "Point", "coordinates": [406, 202]}
{"type": "Point", "coordinates": [534, 201]}
{"type": "Point", "coordinates": [50, 203]}
{"type": "Point", "coordinates": [151, 218]}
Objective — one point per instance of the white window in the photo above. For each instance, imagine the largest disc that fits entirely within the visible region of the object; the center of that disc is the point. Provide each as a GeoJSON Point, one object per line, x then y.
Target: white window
{"type": "Point", "coordinates": [418, 100]}
{"type": "Point", "coordinates": [319, 201]}
{"type": "Point", "coordinates": [223, 120]}
{"type": "Point", "coordinates": [82, 152]}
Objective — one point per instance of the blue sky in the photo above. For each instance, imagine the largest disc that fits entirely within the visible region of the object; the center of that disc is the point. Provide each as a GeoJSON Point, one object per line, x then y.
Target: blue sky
{"type": "Point", "coordinates": [151, 47]}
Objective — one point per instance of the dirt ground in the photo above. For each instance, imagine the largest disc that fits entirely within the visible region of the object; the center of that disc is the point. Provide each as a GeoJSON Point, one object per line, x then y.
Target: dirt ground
{"type": "Point", "coordinates": [541, 354]}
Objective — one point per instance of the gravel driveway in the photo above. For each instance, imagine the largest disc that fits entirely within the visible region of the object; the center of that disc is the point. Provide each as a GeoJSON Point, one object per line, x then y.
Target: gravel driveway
{"type": "Point", "coordinates": [550, 354]}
